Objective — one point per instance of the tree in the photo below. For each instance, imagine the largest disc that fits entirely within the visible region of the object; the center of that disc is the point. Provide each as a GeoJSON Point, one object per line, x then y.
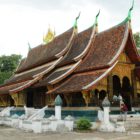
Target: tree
{"type": "Point", "coordinates": [8, 65]}
{"type": "Point", "coordinates": [137, 39]}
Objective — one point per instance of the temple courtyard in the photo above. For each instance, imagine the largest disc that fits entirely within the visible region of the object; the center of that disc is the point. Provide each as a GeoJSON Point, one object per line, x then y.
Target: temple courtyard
{"type": "Point", "coordinates": [7, 133]}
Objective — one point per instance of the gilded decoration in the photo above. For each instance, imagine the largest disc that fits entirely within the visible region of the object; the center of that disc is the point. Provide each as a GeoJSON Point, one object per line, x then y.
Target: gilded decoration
{"type": "Point", "coordinates": [50, 99]}
{"type": "Point", "coordinates": [138, 86]}
{"type": "Point", "coordinates": [123, 68]}
{"type": "Point", "coordinates": [102, 85]}
{"type": "Point", "coordinates": [19, 98]}
{"type": "Point", "coordinates": [15, 98]}
{"type": "Point", "coordinates": [86, 96]}
{"type": "Point", "coordinates": [3, 100]}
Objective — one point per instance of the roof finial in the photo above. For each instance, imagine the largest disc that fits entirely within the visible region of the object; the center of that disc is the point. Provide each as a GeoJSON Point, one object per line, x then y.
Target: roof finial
{"type": "Point", "coordinates": [75, 23]}
{"type": "Point", "coordinates": [129, 12]}
{"type": "Point", "coordinates": [96, 19]}
{"type": "Point", "coordinates": [29, 46]}
{"type": "Point", "coordinates": [50, 35]}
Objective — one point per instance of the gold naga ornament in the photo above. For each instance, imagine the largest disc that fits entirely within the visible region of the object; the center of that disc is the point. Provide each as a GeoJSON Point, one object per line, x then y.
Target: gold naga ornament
{"type": "Point", "coordinates": [50, 35]}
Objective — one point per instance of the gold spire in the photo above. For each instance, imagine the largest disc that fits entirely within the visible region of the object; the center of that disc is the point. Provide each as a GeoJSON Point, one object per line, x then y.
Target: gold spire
{"type": "Point", "coordinates": [50, 35]}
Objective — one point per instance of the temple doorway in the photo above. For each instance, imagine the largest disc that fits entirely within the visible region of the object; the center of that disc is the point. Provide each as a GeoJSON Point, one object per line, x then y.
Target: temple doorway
{"type": "Point", "coordinates": [116, 85]}
{"type": "Point", "coordinates": [78, 100]}
{"type": "Point", "coordinates": [11, 101]}
{"type": "Point", "coordinates": [30, 100]}
{"type": "Point", "coordinates": [126, 92]}
{"type": "Point", "coordinates": [96, 97]}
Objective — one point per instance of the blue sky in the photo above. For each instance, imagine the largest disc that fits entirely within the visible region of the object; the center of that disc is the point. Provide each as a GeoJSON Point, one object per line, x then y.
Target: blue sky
{"type": "Point", "coordinates": [23, 21]}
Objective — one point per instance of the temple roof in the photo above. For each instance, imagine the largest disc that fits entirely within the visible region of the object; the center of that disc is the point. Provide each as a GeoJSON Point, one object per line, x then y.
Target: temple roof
{"type": "Point", "coordinates": [103, 55]}
{"type": "Point", "coordinates": [58, 74]}
{"type": "Point", "coordinates": [5, 90]}
{"type": "Point", "coordinates": [79, 45]}
{"type": "Point", "coordinates": [105, 49]}
{"type": "Point", "coordinates": [74, 62]}
{"type": "Point", "coordinates": [47, 52]}
{"type": "Point", "coordinates": [81, 81]}
{"type": "Point", "coordinates": [77, 51]}
{"type": "Point", "coordinates": [26, 75]}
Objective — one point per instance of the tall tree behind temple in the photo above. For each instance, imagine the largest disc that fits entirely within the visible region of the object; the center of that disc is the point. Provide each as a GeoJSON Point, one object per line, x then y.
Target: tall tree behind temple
{"type": "Point", "coordinates": [8, 64]}
{"type": "Point", "coordinates": [137, 40]}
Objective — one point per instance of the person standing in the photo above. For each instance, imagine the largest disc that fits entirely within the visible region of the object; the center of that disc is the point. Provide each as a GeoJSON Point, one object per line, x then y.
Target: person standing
{"type": "Point", "coordinates": [123, 109]}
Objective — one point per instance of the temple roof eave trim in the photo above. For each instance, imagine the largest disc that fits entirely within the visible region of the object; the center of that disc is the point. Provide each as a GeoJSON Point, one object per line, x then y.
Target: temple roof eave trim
{"type": "Point", "coordinates": [122, 46]}
{"type": "Point", "coordinates": [22, 87]}
{"type": "Point", "coordinates": [92, 38]}
{"type": "Point", "coordinates": [68, 45]}
{"type": "Point", "coordinates": [49, 69]}
{"type": "Point", "coordinates": [61, 77]}
{"type": "Point", "coordinates": [101, 77]}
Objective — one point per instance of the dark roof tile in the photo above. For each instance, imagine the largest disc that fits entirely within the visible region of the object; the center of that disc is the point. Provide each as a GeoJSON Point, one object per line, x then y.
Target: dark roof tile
{"type": "Point", "coordinates": [79, 44]}
{"type": "Point", "coordinates": [106, 46]}
{"type": "Point", "coordinates": [45, 53]}
{"type": "Point", "coordinates": [77, 82]}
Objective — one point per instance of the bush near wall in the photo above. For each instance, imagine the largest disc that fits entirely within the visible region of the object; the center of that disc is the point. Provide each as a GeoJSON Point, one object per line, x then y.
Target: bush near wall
{"type": "Point", "coordinates": [83, 124]}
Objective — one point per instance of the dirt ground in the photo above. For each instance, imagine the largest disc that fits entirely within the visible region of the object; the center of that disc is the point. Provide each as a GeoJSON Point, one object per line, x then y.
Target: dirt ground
{"type": "Point", "coordinates": [7, 133]}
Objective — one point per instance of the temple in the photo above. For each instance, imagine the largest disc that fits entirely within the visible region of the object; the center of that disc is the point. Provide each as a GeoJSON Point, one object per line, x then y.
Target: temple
{"type": "Point", "coordinates": [82, 68]}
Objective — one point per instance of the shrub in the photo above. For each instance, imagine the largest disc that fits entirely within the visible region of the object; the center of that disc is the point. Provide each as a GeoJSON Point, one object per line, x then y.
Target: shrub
{"type": "Point", "coordinates": [83, 124]}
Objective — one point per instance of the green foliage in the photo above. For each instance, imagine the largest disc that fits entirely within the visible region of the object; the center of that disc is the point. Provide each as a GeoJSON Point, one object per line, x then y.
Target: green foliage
{"type": "Point", "coordinates": [83, 124]}
{"type": "Point", "coordinates": [8, 64]}
{"type": "Point", "coordinates": [137, 39]}
{"type": "Point", "coordinates": [4, 76]}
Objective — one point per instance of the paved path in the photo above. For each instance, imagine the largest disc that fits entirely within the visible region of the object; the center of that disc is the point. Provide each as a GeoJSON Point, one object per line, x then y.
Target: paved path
{"type": "Point", "coordinates": [7, 133]}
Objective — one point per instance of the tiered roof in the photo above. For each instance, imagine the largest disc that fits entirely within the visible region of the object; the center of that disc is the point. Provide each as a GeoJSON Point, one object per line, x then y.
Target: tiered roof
{"type": "Point", "coordinates": [101, 59]}
{"type": "Point", "coordinates": [40, 60]}
{"type": "Point", "coordinates": [74, 62]}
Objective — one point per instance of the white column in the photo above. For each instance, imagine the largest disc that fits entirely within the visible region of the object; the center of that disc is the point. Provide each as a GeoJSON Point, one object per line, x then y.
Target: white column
{"type": "Point", "coordinates": [106, 115]}
{"type": "Point", "coordinates": [58, 112]}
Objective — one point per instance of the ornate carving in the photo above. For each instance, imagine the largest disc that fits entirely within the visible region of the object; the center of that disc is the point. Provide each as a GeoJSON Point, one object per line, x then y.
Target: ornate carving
{"type": "Point", "coordinates": [138, 85]}
{"type": "Point", "coordinates": [21, 99]}
{"type": "Point", "coordinates": [124, 58]}
{"type": "Point", "coordinates": [123, 70]}
{"type": "Point", "coordinates": [50, 98]}
{"type": "Point", "coordinates": [15, 98]}
{"type": "Point", "coordinates": [124, 67]}
{"type": "Point", "coordinates": [102, 85]}
{"type": "Point", "coordinates": [3, 100]}
{"type": "Point", "coordinates": [86, 96]}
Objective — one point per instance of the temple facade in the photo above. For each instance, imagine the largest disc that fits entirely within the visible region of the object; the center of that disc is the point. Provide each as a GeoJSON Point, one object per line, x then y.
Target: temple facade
{"type": "Point", "coordinates": [82, 68]}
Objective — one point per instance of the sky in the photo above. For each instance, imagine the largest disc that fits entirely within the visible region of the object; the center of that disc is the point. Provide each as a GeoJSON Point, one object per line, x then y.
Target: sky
{"type": "Point", "coordinates": [23, 21]}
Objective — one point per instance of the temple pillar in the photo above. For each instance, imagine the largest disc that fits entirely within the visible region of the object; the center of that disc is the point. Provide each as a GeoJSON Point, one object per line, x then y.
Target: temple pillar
{"type": "Point", "coordinates": [86, 96]}
{"type": "Point", "coordinates": [15, 98]}
{"type": "Point", "coordinates": [50, 98]}
{"type": "Point", "coordinates": [110, 87]}
{"type": "Point", "coordinates": [19, 98]}
{"type": "Point", "coordinates": [134, 87]}
{"type": "Point", "coordinates": [4, 100]}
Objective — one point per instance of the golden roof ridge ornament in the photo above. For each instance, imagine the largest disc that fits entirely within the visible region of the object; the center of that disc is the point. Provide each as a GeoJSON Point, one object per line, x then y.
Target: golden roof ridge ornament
{"type": "Point", "coordinates": [50, 35]}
